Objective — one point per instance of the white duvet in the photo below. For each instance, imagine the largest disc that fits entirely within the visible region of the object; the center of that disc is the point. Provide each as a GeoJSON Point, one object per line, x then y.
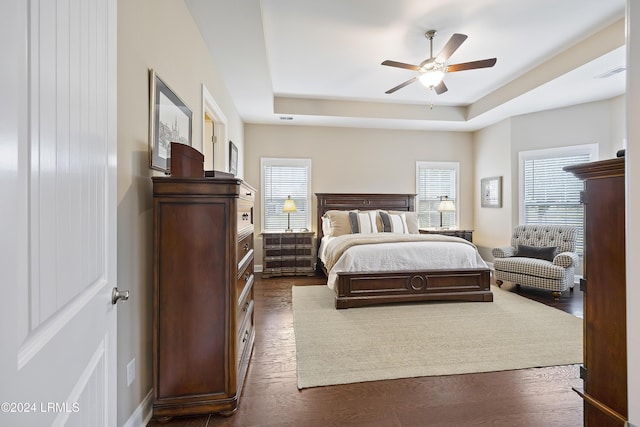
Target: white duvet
{"type": "Point", "coordinates": [450, 253]}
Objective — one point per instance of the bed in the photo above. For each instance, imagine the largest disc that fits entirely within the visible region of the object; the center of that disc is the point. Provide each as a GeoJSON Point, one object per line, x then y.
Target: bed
{"type": "Point", "coordinates": [382, 285]}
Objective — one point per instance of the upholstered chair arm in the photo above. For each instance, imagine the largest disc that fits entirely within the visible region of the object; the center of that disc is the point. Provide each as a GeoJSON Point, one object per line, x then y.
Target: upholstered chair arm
{"type": "Point", "coordinates": [566, 259]}
{"type": "Point", "coordinates": [504, 252]}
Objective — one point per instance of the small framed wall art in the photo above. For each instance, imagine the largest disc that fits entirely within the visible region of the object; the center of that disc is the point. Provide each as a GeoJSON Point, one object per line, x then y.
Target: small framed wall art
{"type": "Point", "coordinates": [491, 192]}
{"type": "Point", "coordinates": [233, 158]}
{"type": "Point", "coordinates": [169, 121]}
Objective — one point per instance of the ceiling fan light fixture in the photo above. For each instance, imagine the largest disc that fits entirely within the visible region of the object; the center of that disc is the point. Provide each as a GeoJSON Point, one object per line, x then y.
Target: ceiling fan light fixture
{"type": "Point", "coordinates": [431, 78]}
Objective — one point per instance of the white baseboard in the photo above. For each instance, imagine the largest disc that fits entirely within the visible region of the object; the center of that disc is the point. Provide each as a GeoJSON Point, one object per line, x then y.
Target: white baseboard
{"type": "Point", "coordinates": [143, 413]}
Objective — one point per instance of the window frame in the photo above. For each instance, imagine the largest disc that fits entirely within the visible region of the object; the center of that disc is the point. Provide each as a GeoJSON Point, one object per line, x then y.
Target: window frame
{"type": "Point", "coordinates": [284, 161]}
{"type": "Point", "coordinates": [548, 153]}
{"type": "Point", "coordinates": [455, 166]}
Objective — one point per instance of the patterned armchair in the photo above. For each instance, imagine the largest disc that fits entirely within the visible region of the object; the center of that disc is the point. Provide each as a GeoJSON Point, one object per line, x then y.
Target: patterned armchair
{"type": "Point", "coordinates": [542, 256]}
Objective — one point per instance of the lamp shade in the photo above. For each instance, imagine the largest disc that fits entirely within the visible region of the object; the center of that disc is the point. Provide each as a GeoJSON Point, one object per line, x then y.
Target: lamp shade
{"type": "Point", "coordinates": [289, 206]}
{"type": "Point", "coordinates": [446, 206]}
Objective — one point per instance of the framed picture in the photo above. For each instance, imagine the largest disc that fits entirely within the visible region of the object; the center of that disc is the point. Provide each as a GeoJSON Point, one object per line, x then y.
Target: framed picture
{"type": "Point", "coordinates": [491, 192]}
{"type": "Point", "coordinates": [169, 121]}
{"type": "Point", "coordinates": [233, 158]}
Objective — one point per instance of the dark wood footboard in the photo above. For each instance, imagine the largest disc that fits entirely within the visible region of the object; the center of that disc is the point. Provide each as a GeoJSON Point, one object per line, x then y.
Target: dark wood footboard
{"type": "Point", "coordinates": [361, 289]}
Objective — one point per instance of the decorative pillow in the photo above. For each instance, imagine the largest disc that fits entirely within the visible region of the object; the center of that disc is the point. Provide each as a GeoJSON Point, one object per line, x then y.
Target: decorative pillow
{"type": "Point", "coordinates": [394, 223]}
{"type": "Point", "coordinates": [540, 252]}
{"type": "Point", "coordinates": [412, 220]}
{"type": "Point", "coordinates": [326, 226]}
{"type": "Point", "coordinates": [375, 218]}
{"type": "Point", "coordinates": [363, 222]}
{"type": "Point", "coordinates": [339, 222]}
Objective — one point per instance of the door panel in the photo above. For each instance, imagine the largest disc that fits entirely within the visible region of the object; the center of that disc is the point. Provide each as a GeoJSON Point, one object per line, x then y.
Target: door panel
{"type": "Point", "coordinates": [58, 326]}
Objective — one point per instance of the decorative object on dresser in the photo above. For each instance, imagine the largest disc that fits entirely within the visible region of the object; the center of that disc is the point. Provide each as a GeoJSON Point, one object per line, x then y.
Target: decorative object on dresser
{"type": "Point", "coordinates": [385, 285]}
{"type": "Point", "coordinates": [169, 121]}
{"type": "Point", "coordinates": [233, 158]}
{"type": "Point", "coordinates": [203, 327]}
{"type": "Point", "coordinates": [604, 288]}
{"type": "Point", "coordinates": [289, 207]}
{"type": "Point", "coordinates": [288, 253]}
{"type": "Point", "coordinates": [464, 234]}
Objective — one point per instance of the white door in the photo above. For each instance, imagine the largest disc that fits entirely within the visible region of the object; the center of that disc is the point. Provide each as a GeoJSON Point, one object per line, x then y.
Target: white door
{"type": "Point", "coordinates": [58, 212]}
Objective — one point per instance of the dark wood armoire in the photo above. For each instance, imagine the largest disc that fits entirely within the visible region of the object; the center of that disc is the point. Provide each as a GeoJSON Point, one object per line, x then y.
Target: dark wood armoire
{"type": "Point", "coordinates": [604, 286]}
{"type": "Point", "coordinates": [203, 329]}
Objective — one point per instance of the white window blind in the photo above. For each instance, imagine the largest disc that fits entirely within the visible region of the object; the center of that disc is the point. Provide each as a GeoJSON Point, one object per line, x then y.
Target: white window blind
{"type": "Point", "coordinates": [551, 195]}
{"type": "Point", "coordinates": [434, 181]}
{"type": "Point", "coordinates": [282, 178]}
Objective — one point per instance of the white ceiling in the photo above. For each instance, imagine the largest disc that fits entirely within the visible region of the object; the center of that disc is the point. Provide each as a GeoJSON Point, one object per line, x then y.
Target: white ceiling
{"type": "Point", "coordinates": [310, 62]}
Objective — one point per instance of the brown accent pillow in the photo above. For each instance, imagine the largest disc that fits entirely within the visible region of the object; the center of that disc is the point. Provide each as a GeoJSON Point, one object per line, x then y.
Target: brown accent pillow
{"type": "Point", "coordinates": [339, 221]}
{"type": "Point", "coordinates": [547, 253]}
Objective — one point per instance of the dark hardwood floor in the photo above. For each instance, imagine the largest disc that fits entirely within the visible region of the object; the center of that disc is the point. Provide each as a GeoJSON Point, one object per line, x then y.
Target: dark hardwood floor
{"type": "Point", "coordinates": [528, 397]}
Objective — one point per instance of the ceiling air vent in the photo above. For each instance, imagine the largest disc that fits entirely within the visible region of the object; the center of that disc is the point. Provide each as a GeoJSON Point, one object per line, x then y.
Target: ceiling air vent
{"type": "Point", "coordinates": [611, 73]}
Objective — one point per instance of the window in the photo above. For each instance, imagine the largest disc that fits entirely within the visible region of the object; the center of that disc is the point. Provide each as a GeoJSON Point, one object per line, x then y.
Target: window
{"type": "Point", "coordinates": [434, 182]}
{"type": "Point", "coordinates": [282, 178]}
{"type": "Point", "coordinates": [548, 194]}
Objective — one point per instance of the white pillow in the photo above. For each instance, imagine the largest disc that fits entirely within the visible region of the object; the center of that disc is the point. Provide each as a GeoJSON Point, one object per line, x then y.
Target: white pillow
{"type": "Point", "coordinates": [394, 223]}
{"type": "Point", "coordinates": [326, 226]}
{"type": "Point", "coordinates": [363, 222]}
{"type": "Point", "coordinates": [412, 220]}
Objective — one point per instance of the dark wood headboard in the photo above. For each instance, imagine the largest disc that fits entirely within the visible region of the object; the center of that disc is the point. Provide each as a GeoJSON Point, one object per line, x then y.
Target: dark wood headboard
{"type": "Point", "coordinates": [361, 201]}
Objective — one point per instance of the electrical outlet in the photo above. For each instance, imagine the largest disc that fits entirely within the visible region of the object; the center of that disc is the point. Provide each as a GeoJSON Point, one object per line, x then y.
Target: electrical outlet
{"type": "Point", "coordinates": [131, 371]}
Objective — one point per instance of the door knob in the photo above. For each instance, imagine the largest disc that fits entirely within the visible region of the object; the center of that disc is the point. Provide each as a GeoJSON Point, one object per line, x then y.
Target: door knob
{"type": "Point", "coordinates": [117, 295]}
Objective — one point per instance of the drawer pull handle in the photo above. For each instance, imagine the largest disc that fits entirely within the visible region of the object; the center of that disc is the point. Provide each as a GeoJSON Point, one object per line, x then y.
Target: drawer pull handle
{"type": "Point", "coordinates": [245, 216]}
{"type": "Point", "coordinates": [248, 193]}
{"type": "Point", "coordinates": [246, 306]}
{"type": "Point", "coordinates": [246, 335]}
{"type": "Point", "coordinates": [246, 247]}
{"type": "Point", "coordinates": [246, 277]}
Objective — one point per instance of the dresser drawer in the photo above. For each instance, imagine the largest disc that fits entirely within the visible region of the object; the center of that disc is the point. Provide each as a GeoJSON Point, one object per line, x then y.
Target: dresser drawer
{"type": "Point", "coordinates": [245, 348]}
{"type": "Point", "coordinates": [247, 193]}
{"type": "Point", "coordinates": [245, 332]}
{"type": "Point", "coordinates": [244, 216]}
{"type": "Point", "coordinates": [244, 281]}
{"type": "Point", "coordinates": [244, 248]}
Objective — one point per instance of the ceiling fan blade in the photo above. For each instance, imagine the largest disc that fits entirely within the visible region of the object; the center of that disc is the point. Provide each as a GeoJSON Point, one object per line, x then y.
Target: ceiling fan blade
{"type": "Point", "coordinates": [483, 63]}
{"type": "Point", "coordinates": [440, 88]}
{"type": "Point", "coordinates": [401, 85]}
{"type": "Point", "coordinates": [401, 65]}
{"type": "Point", "coordinates": [452, 45]}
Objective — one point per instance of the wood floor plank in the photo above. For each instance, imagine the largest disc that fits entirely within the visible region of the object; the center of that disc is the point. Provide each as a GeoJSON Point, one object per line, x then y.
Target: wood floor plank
{"type": "Point", "coordinates": [520, 398]}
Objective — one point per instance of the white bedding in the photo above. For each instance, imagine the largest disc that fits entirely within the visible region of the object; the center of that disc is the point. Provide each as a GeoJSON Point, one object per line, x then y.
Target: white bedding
{"type": "Point", "coordinates": [451, 253]}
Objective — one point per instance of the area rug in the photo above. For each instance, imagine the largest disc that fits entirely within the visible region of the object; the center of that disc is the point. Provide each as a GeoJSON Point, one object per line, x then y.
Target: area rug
{"type": "Point", "coordinates": [424, 339]}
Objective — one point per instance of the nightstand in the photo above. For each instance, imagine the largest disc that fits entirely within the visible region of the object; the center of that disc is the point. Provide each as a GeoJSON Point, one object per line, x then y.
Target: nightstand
{"type": "Point", "coordinates": [288, 254]}
{"type": "Point", "coordinates": [465, 234]}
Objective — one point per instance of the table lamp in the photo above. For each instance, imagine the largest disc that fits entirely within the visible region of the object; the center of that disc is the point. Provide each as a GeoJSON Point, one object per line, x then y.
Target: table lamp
{"type": "Point", "coordinates": [289, 207]}
{"type": "Point", "coordinates": [445, 205]}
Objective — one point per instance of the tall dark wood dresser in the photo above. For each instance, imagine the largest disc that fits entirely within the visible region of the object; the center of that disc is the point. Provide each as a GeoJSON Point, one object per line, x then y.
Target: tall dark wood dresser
{"type": "Point", "coordinates": [604, 286]}
{"type": "Point", "coordinates": [203, 328]}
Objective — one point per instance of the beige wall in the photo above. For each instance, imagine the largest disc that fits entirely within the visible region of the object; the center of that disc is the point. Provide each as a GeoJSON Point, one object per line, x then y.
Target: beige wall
{"type": "Point", "coordinates": [492, 149]}
{"type": "Point", "coordinates": [158, 34]}
{"type": "Point", "coordinates": [359, 160]}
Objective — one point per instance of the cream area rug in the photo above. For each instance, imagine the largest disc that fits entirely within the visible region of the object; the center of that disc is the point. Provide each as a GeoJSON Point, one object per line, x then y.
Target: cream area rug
{"type": "Point", "coordinates": [424, 339]}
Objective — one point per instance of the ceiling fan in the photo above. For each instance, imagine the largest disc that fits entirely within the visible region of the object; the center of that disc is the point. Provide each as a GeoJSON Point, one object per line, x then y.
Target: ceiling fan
{"type": "Point", "coordinates": [432, 70]}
